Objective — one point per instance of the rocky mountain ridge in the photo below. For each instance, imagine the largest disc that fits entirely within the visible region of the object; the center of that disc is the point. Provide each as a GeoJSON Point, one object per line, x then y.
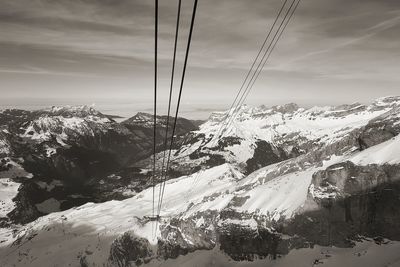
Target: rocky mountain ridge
{"type": "Point", "coordinates": [262, 136]}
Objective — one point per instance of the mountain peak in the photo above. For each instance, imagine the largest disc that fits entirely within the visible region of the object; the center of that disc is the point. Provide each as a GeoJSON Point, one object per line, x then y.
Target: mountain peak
{"type": "Point", "coordinates": [391, 100]}
{"type": "Point", "coordinates": [286, 108]}
{"type": "Point", "coordinates": [74, 111]}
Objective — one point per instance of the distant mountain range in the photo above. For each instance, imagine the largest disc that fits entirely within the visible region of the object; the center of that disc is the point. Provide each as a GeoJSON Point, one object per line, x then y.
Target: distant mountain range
{"type": "Point", "coordinates": [275, 179]}
{"type": "Point", "coordinates": [71, 155]}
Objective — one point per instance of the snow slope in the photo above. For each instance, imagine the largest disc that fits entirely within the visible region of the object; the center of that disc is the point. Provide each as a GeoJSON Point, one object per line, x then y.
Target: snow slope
{"type": "Point", "coordinates": [8, 187]}
{"type": "Point", "coordinates": [45, 126]}
{"type": "Point", "coordinates": [4, 144]}
{"type": "Point", "coordinates": [8, 190]}
{"type": "Point", "coordinates": [94, 226]}
{"type": "Point", "coordinates": [385, 153]}
{"type": "Point", "coordinates": [281, 196]}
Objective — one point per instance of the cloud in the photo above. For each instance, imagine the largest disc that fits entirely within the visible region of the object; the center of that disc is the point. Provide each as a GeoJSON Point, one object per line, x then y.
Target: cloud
{"type": "Point", "coordinates": [327, 42]}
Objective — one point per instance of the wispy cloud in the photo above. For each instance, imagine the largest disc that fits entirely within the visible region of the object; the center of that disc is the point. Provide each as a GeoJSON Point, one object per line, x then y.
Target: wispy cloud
{"type": "Point", "coordinates": [367, 33]}
{"type": "Point", "coordinates": [327, 42]}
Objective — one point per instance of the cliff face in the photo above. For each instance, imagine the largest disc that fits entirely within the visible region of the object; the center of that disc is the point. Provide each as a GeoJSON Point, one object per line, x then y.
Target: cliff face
{"type": "Point", "coordinates": [347, 200]}
{"type": "Point", "coordinates": [380, 129]}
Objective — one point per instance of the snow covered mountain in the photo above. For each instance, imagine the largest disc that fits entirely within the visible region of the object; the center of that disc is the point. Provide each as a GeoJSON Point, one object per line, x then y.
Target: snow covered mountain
{"type": "Point", "coordinates": [75, 155]}
{"type": "Point", "coordinates": [278, 179]}
{"type": "Point", "coordinates": [262, 136]}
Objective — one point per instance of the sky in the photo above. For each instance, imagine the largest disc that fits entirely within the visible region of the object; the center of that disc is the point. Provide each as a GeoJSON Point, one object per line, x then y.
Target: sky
{"type": "Point", "coordinates": [58, 52]}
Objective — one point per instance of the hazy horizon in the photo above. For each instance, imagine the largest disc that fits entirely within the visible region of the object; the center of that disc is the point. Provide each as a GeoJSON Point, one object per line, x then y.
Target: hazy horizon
{"type": "Point", "coordinates": [126, 109]}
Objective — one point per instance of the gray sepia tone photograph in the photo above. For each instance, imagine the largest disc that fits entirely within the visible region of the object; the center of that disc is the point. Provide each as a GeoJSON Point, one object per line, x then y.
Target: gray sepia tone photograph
{"type": "Point", "coordinates": [199, 133]}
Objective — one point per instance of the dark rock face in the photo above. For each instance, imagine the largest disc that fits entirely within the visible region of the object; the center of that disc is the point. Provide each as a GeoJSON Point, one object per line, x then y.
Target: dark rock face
{"type": "Point", "coordinates": [372, 136]}
{"type": "Point", "coordinates": [4, 165]}
{"type": "Point", "coordinates": [380, 129]}
{"type": "Point", "coordinates": [348, 201]}
{"type": "Point", "coordinates": [211, 161]}
{"type": "Point", "coordinates": [175, 246]}
{"type": "Point", "coordinates": [26, 211]}
{"type": "Point", "coordinates": [180, 237]}
{"type": "Point", "coordinates": [228, 141]}
{"type": "Point", "coordinates": [347, 109]}
{"type": "Point", "coordinates": [248, 236]}
{"type": "Point", "coordinates": [129, 250]}
{"type": "Point", "coordinates": [350, 179]}
{"type": "Point", "coordinates": [15, 118]}
{"type": "Point", "coordinates": [72, 170]}
{"type": "Point", "coordinates": [142, 125]}
{"type": "Point", "coordinates": [264, 155]}
{"type": "Point", "coordinates": [242, 243]}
